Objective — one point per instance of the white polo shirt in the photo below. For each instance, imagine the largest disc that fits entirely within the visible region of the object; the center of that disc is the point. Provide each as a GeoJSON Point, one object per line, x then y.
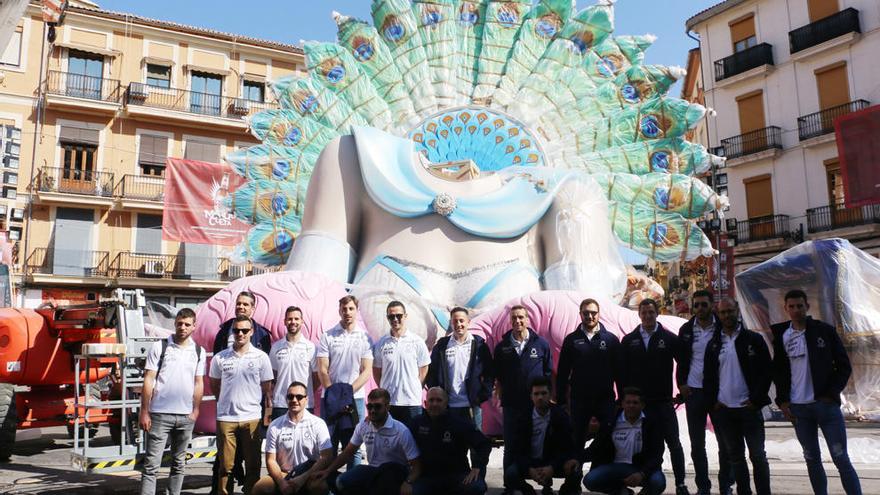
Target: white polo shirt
{"type": "Point", "coordinates": [295, 443]}
{"type": "Point", "coordinates": [702, 336]}
{"type": "Point", "coordinates": [392, 442]}
{"type": "Point", "coordinates": [292, 362]}
{"type": "Point", "coordinates": [539, 432]}
{"type": "Point", "coordinates": [175, 383]}
{"type": "Point", "coordinates": [458, 357]}
{"type": "Point", "coordinates": [646, 337]}
{"type": "Point", "coordinates": [345, 351]}
{"type": "Point", "coordinates": [240, 383]}
{"type": "Point", "coordinates": [627, 438]}
{"type": "Point", "coordinates": [400, 359]}
{"type": "Point", "coordinates": [732, 388]}
{"type": "Point", "coordinates": [795, 344]}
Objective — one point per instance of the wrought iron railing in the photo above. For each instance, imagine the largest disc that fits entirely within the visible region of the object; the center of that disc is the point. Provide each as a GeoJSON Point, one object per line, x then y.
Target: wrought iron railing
{"type": "Point", "coordinates": [192, 102]}
{"type": "Point", "coordinates": [752, 142]}
{"type": "Point", "coordinates": [75, 181]}
{"type": "Point", "coordinates": [822, 122]}
{"type": "Point", "coordinates": [230, 271]}
{"type": "Point", "coordinates": [825, 218]}
{"type": "Point", "coordinates": [83, 86]}
{"type": "Point", "coordinates": [763, 228]}
{"type": "Point", "coordinates": [144, 187]}
{"type": "Point", "coordinates": [843, 22]}
{"type": "Point", "coordinates": [61, 261]}
{"type": "Point", "coordinates": [144, 265]}
{"type": "Point", "coordinates": [742, 61]}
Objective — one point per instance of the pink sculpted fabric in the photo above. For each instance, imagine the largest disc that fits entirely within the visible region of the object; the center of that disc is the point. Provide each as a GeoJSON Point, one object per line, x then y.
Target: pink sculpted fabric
{"type": "Point", "coordinates": [553, 314]}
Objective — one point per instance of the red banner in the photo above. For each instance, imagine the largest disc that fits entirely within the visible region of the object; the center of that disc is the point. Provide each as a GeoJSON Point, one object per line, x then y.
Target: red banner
{"type": "Point", "coordinates": [859, 148]}
{"type": "Point", "coordinates": [194, 209]}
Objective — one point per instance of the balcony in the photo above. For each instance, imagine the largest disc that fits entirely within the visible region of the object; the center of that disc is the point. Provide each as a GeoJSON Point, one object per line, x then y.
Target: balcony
{"type": "Point", "coordinates": [746, 60]}
{"type": "Point", "coordinates": [145, 192]}
{"type": "Point", "coordinates": [95, 94]}
{"type": "Point", "coordinates": [45, 264]}
{"type": "Point", "coordinates": [72, 185]}
{"type": "Point", "coordinates": [763, 229]}
{"type": "Point", "coordinates": [821, 123]}
{"type": "Point", "coordinates": [844, 22]}
{"type": "Point", "coordinates": [832, 217]}
{"type": "Point", "coordinates": [190, 106]}
{"type": "Point", "coordinates": [751, 143]}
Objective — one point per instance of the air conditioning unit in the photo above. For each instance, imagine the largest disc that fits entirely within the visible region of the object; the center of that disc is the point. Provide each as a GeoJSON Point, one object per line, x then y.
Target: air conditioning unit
{"type": "Point", "coordinates": [240, 106]}
{"type": "Point", "coordinates": [154, 267]}
{"type": "Point", "coordinates": [237, 271]}
{"type": "Point", "coordinates": [138, 92]}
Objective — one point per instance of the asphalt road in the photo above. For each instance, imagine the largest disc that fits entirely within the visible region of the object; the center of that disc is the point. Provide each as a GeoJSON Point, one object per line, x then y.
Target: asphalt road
{"type": "Point", "coordinates": [41, 465]}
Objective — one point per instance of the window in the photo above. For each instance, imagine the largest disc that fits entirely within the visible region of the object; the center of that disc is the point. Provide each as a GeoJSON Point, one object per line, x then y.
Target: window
{"type": "Point", "coordinates": [254, 91]}
{"type": "Point", "coordinates": [14, 233]}
{"type": "Point", "coordinates": [742, 34]}
{"type": "Point", "coordinates": [10, 192]}
{"type": "Point", "coordinates": [833, 86]}
{"type": "Point", "coordinates": [158, 76]}
{"type": "Point", "coordinates": [10, 178]}
{"type": "Point", "coordinates": [148, 238]}
{"type": "Point", "coordinates": [17, 214]}
{"type": "Point", "coordinates": [759, 196]}
{"type": "Point", "coordinates": [79, 147]}
{"type": "Point", "coordinates": [820, 9]}
{"type": "Point", "coordinates": [836, 196]}
{"type": "Point", "coordinates": [85, 72]}
{"type": "Point", "coordinates": [151, 155]}
{"type": "Point", "coordinates": [202, 151]}
{"type": "Point", "coordinates": [206, 91]}
{"type": "Point", "coordinates": [12, 54]}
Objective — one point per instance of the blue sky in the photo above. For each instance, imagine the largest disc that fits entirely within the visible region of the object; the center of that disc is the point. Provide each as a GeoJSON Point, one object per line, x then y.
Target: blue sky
{"type": "Point", "coordinates": [291, 21]}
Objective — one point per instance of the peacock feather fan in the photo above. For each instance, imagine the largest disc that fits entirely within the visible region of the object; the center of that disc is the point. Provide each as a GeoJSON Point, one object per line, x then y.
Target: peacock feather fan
{"type": "Point", "coordinates": [505, 83]}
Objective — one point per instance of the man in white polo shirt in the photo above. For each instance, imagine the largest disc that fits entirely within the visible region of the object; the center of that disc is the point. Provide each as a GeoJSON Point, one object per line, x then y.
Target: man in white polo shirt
{"type": "Point", "coordinates": [400, 363]}
{"type": "Point", "coordinates": [297, 448]}
{"type": "Point", "coordinates": [391, 451]}
{"type": "Point", "coordinates": [345, 355]}
{"type": "Point", "coordinates": [293, 360]}
{"type": "Point", "coordinates": [172, 392]}
{"type": "Point", "coordinates": [240, 376]}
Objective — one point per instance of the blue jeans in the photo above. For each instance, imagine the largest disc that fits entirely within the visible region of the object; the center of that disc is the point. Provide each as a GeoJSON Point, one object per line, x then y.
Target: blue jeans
{"type": "Point", "coordinates": [339, 439]}
{"type": "Point", "coordinates": [665, 414]}
{"type": "Point", "coordinates": [179, 428]}
{"type": "Point", "coordinates": [742, 426]}
{"type": "Point", "coordinates": [608, 478]}
{"type": "Point", "coordinates": [697, 409]}
{"type": "Point", "coordinates": [448, 484]}
{"type": "Point", "coordinates": [473, 415]}
{"type": "Point", "coordinates": [372, 480]}
{"type": "Point", "coordinates": [809, 419]}
{"type": "Point", "coordinates": [404, 413]}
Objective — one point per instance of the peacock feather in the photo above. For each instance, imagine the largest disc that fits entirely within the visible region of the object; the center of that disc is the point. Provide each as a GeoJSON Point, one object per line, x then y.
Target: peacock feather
{"type": "Point", "coordinates": [505, 83]}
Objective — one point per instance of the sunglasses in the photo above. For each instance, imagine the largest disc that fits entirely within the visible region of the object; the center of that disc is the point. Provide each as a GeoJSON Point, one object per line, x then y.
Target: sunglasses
{"type": "Point", "coordinates": [398, 317]}
{"type": "Point", "coordinates": [375, 407]}
{"type": "Point", "coordinates": [241, 330]}
{"type": "Point", "coordinates": [701, 304]}
{"type": "Point", "coordinates": [298, 397]}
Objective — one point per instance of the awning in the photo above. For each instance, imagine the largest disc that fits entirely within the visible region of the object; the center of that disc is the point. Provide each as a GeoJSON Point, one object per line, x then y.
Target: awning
{"type": "Point", "coordinates": [89, 49]}
{"type": "Point", "coordinates": [209, 70]}
{"type": "Point", "coordinates": [158, 61]}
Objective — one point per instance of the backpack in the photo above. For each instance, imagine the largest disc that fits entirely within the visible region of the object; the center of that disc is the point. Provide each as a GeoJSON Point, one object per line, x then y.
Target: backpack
{"type": "Point", "coordinates": [162, 356]}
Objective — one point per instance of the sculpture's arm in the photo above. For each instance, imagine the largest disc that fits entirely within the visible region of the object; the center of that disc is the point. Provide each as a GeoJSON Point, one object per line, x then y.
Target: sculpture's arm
{"type": "Point", "coordinates": [332, 216]}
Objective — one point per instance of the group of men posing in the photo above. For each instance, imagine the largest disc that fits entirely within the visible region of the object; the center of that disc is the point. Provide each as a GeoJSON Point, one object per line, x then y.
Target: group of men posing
{"type": "Point", "coordinates": [723, 373]}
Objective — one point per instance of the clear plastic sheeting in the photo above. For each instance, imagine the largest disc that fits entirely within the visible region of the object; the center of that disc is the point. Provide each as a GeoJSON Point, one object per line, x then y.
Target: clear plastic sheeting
{"type": "Point", "coordinates": [842, 284]}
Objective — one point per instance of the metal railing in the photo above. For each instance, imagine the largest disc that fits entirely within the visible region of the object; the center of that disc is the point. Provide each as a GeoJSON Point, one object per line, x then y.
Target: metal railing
{"type": "Point", "coordinates": [740, 62]}
{"type": "Point", "coordinates": [75, 181]}
{"type": "Point", "coordinates": [763, 228]}
{"type": "Point", "coordinates": [56, 261]}
{"type": "Point", "coordinates": [843, 22]}
{"type": "Point", "coordinates": [752, 142]}
{"type": "Point", "coordinates": [230, 271]}
{"type": "Point", "coordinates": [822, 122]}
{"type": "Point", "coordinates": [83, 86]}
{"type": "Point", "coordinates": [825, 218]}
{"type": "Point", "coordinates": [145, 187]}
{"type": "Point", "coordinates": [192, 102]}
{"type": "Point", "coordinates": [144, 265]}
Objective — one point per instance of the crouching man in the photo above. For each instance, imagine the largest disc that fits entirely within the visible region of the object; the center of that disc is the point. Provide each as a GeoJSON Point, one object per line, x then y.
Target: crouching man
{"type": "Point", "coordinates": [297, 448]}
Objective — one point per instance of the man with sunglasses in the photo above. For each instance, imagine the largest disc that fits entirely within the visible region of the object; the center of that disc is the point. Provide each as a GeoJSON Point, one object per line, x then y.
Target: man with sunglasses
{"type": "Point", "coordinates": [240, 377]}
{"type": "Point", "coordinates": [297, 448]}
{"type": "Point", "coordinates": [393, 456]}
{"type": "Point", "coordinates": [400, 363]}
{"type": "Point", "coordinates": [293, 360]}
{"type": "Point", "coordinates": [694, 336]}
{"type": "Point", "coordinates": [587, 368]}
{"type": "Point", "coordinates": [245, 304]}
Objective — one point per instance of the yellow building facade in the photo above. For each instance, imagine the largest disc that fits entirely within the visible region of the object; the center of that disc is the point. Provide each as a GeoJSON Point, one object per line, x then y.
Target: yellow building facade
{"type": "Point", "coordinates": [88, 122]}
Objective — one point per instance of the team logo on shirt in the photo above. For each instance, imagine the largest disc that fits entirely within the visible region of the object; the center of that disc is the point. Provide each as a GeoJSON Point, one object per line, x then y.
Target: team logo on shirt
{"type": "Point", "coordinates": [661, 344]}
{"type": "Point", "coordinates": [424, 430]}
{"type": "Point", "coordinates": [534, 352]}
{"type": "Point", "coordinates": [752, 351]}
{"type": "Point", "coordinates": [580, 342]}
{"type": "Point", "coordinates": [820, 342]}
{"type": "Point", "coordinates": [447, 437]}
{"type": "Point", "coordinates": [603, 345]}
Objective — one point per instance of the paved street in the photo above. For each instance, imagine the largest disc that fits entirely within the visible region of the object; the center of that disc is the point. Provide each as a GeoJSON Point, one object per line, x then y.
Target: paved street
{"type": "Point", "coordinates": [42, 466]}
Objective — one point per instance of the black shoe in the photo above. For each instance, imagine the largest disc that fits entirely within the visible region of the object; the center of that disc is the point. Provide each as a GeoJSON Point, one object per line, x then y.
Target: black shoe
{"type": "Point", "coordinates": [682, 490]}
{"type": "Point", "coordinates": [573, 488]}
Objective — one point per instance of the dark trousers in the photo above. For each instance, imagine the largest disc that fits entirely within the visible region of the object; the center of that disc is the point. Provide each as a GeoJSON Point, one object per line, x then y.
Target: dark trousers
{"type": "Point", "coordinates": [664, 413]}
{"type": "Point", "coordinates": [608, 478]}
{"type": "Point", "coordinates": [448, 484]}
{"type": "Point", "coordinates": [404, 413]}
{"type": "Point", "coordinates": [582, 409]}
{"type": "Point", "coordinates": [515, 476]}
{"type": "Point", "coordinates": [697, 409]}
{"type": "Point", "coordinates": [382, 480]}
{"type": "Point", "coordinates": [509, 433]}
{"type": "Point", "coordinates": [743, 426]}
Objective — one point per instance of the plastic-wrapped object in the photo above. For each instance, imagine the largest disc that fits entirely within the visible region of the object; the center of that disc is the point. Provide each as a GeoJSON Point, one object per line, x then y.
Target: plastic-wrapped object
{"type": "Point", "coordinates": [842, 284]}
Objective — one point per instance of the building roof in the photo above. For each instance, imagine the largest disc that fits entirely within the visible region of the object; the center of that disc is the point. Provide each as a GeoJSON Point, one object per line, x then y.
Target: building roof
{"type": "Point", "coordinates": [712, 12]}
{"type": "Point", "coordinates": [184, 28]}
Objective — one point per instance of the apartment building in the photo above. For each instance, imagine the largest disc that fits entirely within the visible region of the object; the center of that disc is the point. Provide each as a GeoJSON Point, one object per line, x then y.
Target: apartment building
{"type": "Point", "coordinates": [87, 123]}
{"type": "Point", "coordinates": [778, 73]}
